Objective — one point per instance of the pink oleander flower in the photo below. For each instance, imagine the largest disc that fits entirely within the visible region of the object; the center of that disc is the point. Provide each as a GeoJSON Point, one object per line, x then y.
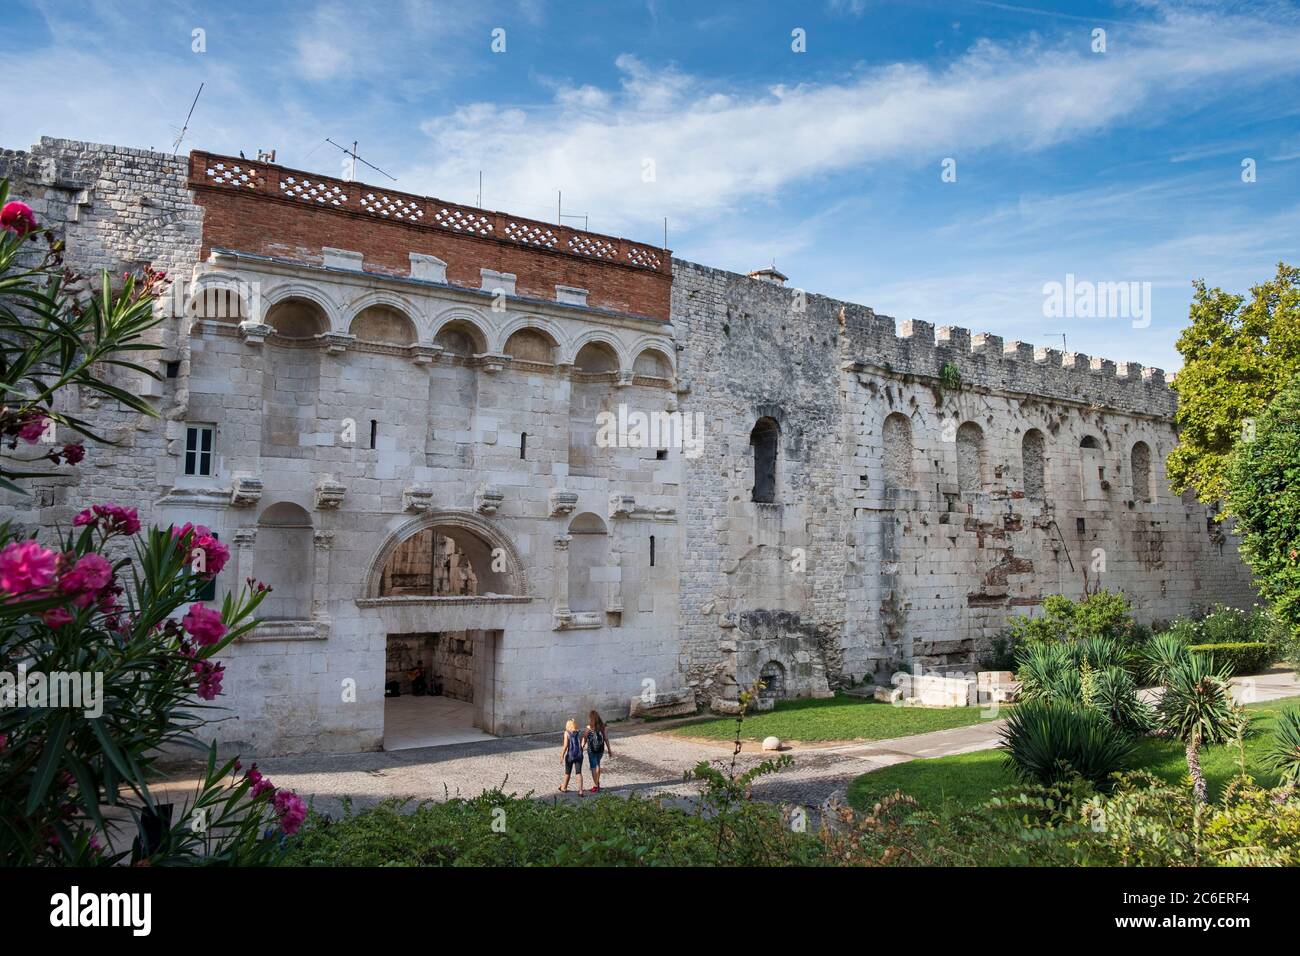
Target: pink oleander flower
{"type": "Point", "coordinates": [33, 427]}
{"type": "Point", "coordinates": [291, 810]}
{"type": "Point", "coordinates": [73, 453]}
{"type": "Point", "coordinates": [210, 675]}
{"type": "Point", "coordinates": [260, 784]}
{"type": "Point", "coordinates": [90, 575]}
{"type": "Point", "coordinates": [200, 538]}
{"type": "Point", "coordinates": [115, 518]}
{"type": "Point", "coordinates": [18, 217]}
{"type": "Point", "coordinates": [203, 624]}
{"type": "Point", "coordinates": [26, 566]}
{"type": "Point", "coordinates": [57, 617]}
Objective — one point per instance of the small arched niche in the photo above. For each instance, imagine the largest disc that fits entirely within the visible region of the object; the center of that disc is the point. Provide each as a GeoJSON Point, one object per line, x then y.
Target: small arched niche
{"type": "Point", "coordinates": [970, 458]}
{"type": "Point", "coordinates": [461, 339]}
{"type": "Point", "coordinates": [383, 325]}
{"type": "Point", "coordinates": [531, 345]}
{"type": "Point", "coordinates": [444, 561]}
{"type": "Point", "coordinates": [1032, 463]}
{"type": "Point", "coordinates": [297, 318]}
{"type": "Point", "coordinates": [596, 357]}
{"type": "Point", "coordinates": [652, 363]}
{"type": "Point", "coordinates": [896, 436]}
{"type": "Point", "coordinates": [1140, 462]}
{"type": "Point", "coordinates": [218, 304]}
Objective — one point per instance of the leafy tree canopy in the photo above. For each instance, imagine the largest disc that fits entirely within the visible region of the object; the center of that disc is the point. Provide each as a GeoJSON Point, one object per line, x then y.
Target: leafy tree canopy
{"type": "Point", "coordinates": [1238, 355]}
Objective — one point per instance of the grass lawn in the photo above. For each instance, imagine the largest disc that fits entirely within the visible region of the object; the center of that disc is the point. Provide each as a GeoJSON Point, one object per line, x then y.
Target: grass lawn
{"type": "Point", "coordinates": [968, 779]}
{"type": "Point", "coordinates": [835, 718]}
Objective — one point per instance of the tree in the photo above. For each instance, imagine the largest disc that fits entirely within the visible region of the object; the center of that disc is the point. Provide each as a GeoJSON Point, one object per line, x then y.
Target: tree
{"type": "Point", "coordinates": [1197, 709]}
{"type": "Point", "coordinates": [1237, 356]}
{"type": "Point", "coordinates": [1264, 495]}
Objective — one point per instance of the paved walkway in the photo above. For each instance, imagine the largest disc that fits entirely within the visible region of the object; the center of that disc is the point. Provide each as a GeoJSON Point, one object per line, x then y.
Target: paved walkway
{"type": "Point", "coordinates": [644, 761]}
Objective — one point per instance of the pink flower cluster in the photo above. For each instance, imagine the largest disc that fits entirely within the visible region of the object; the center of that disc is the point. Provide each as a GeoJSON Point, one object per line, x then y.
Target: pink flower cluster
{"type": "Point", "coordinates": [289, 807]}
{"type": "Point", "coordinates": [26, 567]}
{"type": "Point", "coordinates": [72, 453]}
{"type": "Point", "coordinates": [203, 624]}
{"type": "Point", "coordinates": [198, 538]}
{"type": "Point", "coordinates": [113, 519]}
{"type": "Point", "coordinates": [210, 675]}
{"type": "Point", "coordinates": [18, 217]}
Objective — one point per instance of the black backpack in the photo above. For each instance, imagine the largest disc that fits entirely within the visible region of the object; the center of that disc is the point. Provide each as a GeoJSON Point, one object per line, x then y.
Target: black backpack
{"type": "Point", "coordinates": [596, 742]}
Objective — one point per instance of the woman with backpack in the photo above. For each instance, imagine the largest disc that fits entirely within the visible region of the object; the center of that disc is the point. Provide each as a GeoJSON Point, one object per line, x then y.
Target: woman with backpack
{"type": "Point", "coordinates": [595, 741]}
{"type": "Point", "coordinates": [571, 748]}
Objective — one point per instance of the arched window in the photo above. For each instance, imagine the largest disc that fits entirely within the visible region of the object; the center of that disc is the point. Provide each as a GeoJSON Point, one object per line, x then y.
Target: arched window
{"type": "Point", "coordinates": [970, 458]}
{"type": "Point", "coordinates": [897, 438]}
{"type": "Point", "coordinates": [1092, 470]}
{"type": "Point", "coordinates": [384, 325]}
{"type": "Point", "coordinates": [1140, 460]}
{"type": "Point", "coordinates": [444, 561]}
{"type": "Point", "coordinates": [765, 439]}
{"type": "Point", "coordinates": [291, 379]}
{"type": "Point", "coordinates": [1032, 447]}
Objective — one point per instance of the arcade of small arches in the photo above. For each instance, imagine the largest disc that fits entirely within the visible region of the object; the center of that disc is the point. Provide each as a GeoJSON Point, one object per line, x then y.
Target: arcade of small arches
{"type": "Point", "coordinates": [298, 314]}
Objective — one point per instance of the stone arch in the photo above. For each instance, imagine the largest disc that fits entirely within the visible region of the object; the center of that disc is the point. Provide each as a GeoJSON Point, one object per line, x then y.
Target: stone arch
{"type": "Point", "coordinates": [1140, 462]}
{"type": "Point", "coordinates": [296, 317]}
{"type": "Point", "coordinates": [284, 558]}
{"type": "Point", "coordinates": [772, 674]}
{"type": "Point", "coordinates": [383, 324]}
{"type": "Point", "coordinates": [306, 292]}
{"type": "Point", "coordinates": [896, 438]}
{"type": "Point", "coordinates": [970, 458]}
{"type": "Point", "coordinates": [461, 331]}
{"type": "Point", "coordinates": [605, 343]}
{"type": "Point", "coordinates": [539, 324]}
{"type": "Point", "coordinates": [1033, 447]}
{"type": "Point", "coordinates": [478, 539]}
{"type": "Point", "coordinates": [588, 562]}
{"type": "Point", "coordinates": [220, 298]}
{"type": "Point", "coordinates": [531, 344]}
{"type": "Point", "coordinates": [765, 440]}
{"type": "Point", "coordinates": [653, 361]}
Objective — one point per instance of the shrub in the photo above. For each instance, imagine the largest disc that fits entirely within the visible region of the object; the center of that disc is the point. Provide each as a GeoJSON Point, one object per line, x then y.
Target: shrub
{"type": "Point", "coordinates": [1284, 755]}
{"type": "Point", "coordinates": [1100, 615]}
{"type": "Point", "coordinates": [1047, 672]}
{"type": "Point", "coordinates": [1048, 742]}
{"type": "Point", "coordinates": [1251, 658]}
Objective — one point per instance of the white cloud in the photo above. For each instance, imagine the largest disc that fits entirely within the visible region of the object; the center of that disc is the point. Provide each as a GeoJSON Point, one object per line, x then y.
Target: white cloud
{"type": "Point", "coordinates": [715, 149]}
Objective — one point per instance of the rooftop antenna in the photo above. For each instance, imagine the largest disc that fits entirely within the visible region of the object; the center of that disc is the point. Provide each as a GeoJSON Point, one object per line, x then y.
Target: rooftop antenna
{"type": "Point", "coordinates": [357, 159]}
{"type": "Point", "coordinates": [176, 146]}
{"type": "Point", "coordinates": [1064, 347]}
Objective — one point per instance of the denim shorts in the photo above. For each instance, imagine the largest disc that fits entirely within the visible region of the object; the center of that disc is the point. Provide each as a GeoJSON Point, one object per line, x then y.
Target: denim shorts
{"type": "Point", "coordinates": [572, 766]}
{"type": "Point", "coordinates": [594, 759]}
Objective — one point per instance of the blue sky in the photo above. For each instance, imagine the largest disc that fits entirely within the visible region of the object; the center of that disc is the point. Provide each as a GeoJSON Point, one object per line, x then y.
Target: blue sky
{"type": "Point", "coordinates": [1114, 166]}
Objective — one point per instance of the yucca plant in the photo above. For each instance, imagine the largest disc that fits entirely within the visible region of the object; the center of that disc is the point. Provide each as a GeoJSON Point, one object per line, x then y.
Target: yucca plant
{"type": "Point", "coordinates": [1048, 743]}
{"type": "Point", "coordinates": [1197, 708]}
{"type": "Point", "coordinates": [1102, 652]}
{"type": "Point", "coordinates": [1113, 694]}
{"type": "Point", "coordinates": [1047, 672]}
{"type": "Point", "coordinates": [1284, 753]}
{"type": "Point", "coordinates": [1161, 654]}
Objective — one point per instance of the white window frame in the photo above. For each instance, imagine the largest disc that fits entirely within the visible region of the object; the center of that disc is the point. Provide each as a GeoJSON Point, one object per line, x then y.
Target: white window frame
{"type": "Point", "coordinates": [196, 432]}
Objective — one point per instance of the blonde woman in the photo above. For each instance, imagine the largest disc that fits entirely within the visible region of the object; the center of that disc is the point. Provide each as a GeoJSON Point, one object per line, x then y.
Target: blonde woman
{"type": "Point", "coordinates": [572, 751]}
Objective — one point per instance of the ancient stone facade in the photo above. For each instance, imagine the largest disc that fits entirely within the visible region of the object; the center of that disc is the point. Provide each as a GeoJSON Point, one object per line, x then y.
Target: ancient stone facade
{"type": "Point", "coordinates": [398, 412]}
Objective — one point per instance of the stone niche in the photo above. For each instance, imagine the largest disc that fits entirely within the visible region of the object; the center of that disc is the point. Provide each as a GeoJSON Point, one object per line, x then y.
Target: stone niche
{"type": "Point", "coordinates": [782, 650]}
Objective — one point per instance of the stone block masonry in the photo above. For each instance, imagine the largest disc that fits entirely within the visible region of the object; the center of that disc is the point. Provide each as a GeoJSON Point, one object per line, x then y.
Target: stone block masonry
{"type": "Point", "coordinates": [403, 395]}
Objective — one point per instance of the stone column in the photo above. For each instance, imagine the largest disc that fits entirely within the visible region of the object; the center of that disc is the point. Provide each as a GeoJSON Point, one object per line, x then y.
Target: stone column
{"type": "Point", "coordinates": [614, 587]}
{"type": "Point", "coordinates": [321, 575]}
{"type": "Point", "coordinates": [560, 571]}
{"type": "Point", "coordinates": [244, 541]}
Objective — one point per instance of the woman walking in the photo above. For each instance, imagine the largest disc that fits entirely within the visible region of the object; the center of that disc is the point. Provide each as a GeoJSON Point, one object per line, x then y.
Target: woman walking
{"type": "Point", "coordinates": [595, 742]}
{"type": "Point", "coordinates": [571, 749]}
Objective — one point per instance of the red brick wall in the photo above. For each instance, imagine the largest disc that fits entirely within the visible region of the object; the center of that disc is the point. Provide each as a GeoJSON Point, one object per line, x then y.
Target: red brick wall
{"type": "Point", "coordinates": [257, 218]}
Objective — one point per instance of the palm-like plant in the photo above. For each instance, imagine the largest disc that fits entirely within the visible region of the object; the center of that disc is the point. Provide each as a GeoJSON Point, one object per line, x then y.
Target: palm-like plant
{"type": "Point", "coordinates": [1114, 694]}
{"type": "Point", "coordinates": [1047, 672]}
{"type": "Point", "coordinates": [1197, 708]}
{"type": "Point", "coordinates": [1284, 753]}
{"type": "Point", "coordinates": [1161, 654]}
{"type": "Point", "coordinates": [1050, 742]}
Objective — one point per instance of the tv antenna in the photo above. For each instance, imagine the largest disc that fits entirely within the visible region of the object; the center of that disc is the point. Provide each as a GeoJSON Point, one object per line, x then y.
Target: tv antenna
{"type": "Point", "coordinates": [176, 146]}
{"type": "Point", "coordinates": [357, 159]}
{"type": "Point", "coordinates": [1064, 347]}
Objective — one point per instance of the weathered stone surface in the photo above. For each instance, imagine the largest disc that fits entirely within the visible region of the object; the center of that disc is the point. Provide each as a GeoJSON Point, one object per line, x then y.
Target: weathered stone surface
{"type": "Point", "coordinates": [680, 703]}
{"type": "Point", "coordinates": [771, 743]}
